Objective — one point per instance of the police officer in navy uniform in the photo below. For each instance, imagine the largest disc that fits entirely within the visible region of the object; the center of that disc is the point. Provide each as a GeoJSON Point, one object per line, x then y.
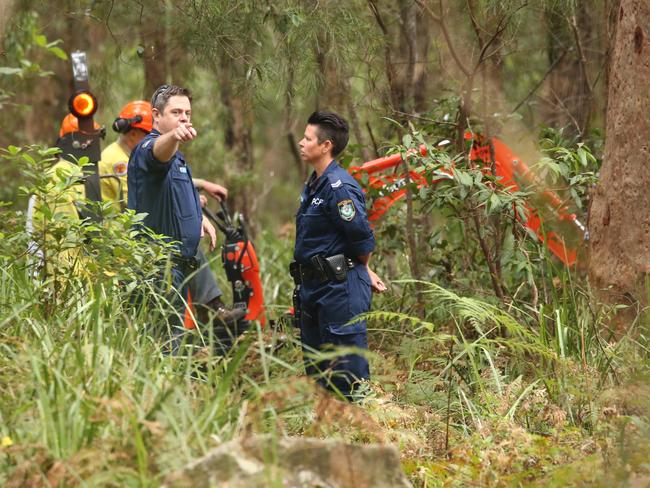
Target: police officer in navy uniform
{"type": "Point", "coordinates": [334, 242]}
{"type": "Point", "coordinates": [160, 184]}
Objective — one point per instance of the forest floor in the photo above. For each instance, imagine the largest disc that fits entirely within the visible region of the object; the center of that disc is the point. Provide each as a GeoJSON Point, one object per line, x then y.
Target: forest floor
{"type": "Point", "coordinates": [89, 399]}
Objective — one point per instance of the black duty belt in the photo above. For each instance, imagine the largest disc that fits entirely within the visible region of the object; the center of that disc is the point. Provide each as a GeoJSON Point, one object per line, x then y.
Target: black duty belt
{"type": "Point", "coordinates": [321, 269]}
{"type": "Point", "coordinates": [186, 265]}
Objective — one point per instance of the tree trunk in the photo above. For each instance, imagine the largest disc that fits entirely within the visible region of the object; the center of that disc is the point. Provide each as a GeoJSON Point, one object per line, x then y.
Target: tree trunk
{"type": "Point", "coordinates": [6, 10]}
{"type": "Point", "coordinates": [332, 94]}
{"type": "Point", "coordinates": [158, 53]}
{"type": "Point", "coordinates": [335, 93]}
{"type": "Point", "coordinates": [569, 100]}
{"type": "Point", "coordinates": [50, 94]}
{"type": "Point", "coordinates": [421, 80]}
{"type": "Point", "coordinates": [238, 129]}
{"type": "Point", "coordinates": [620, 212]}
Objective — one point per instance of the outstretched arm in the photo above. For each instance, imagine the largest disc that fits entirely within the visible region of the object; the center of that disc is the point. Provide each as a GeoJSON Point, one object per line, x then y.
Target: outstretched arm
{"type": "Point", "coordinates": [167, 144]}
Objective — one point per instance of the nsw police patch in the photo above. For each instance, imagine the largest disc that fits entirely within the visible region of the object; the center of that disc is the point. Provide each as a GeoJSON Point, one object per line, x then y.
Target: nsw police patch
{"type": "Point", "coordinates": [347, 210]}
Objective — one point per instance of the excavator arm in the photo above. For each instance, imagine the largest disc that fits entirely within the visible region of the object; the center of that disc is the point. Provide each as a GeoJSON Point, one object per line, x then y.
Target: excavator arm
{"type": "Point", "coordinates": [511, 172]}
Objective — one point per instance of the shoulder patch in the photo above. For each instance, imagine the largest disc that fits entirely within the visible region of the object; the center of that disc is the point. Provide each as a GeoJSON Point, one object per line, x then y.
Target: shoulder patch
{"type": "Point", "coordinates": [337, 183]}
{"type": "Point", "coordinates": [120, 168]}
{"type": "Point", "coordinates": [347, 211]}
{"type": "Point", "coordinates": [146, 143]}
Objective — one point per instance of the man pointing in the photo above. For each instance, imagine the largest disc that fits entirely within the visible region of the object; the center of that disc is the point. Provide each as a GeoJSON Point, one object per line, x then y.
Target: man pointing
{"type": "Point", "coordinates": [160, 185]}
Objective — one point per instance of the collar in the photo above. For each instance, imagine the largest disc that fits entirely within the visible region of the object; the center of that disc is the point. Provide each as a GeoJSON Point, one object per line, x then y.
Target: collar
{"type": "Point", "coordinates": [315, 183]}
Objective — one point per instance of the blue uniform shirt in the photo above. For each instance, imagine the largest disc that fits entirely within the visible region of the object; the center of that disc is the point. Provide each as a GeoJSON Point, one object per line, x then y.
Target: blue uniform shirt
{"type": "Point", "coordinates": [166, 193]}
{"type": "Point", "coordinates": [332, 217]}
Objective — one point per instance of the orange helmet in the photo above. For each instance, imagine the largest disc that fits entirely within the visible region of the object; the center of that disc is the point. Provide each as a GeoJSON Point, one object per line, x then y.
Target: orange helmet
{"type": "Point", "coordinates": [71, 124]}
{"type": "Point", "coordinates": [134, 115]}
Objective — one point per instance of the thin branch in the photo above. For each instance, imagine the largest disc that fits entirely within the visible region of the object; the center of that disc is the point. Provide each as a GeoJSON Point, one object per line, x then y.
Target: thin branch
{"type": "Point", "coordinates": [438, 19]}
{"type": "Point", "coordinates": [500, 28]}
{"type": "Point", "coordinates": [581, 53]}
{"type": "Point", "coordinates": [567, 111]}
{"type": "Point", "coordinates": [496, 285]}
{"type": "Point", "coordinates": [539, 83]}
{"type": "Point", "coordinates": [425, 119]}
{"type": "Point", "coordinates": [472, 17]}
{"type": "Point", "coordinates": [372, 139]}
{"type": "Point", "coordinates": [380, 21]}
{"type": "Point", "coordinates": [390, 68]}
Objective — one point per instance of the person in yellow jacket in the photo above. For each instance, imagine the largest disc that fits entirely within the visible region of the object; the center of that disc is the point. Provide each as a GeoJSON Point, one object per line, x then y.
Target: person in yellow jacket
{"type": "Point", "coordinates": [61, 200]}
{"type": "Point", "coordinates": [134, 122]}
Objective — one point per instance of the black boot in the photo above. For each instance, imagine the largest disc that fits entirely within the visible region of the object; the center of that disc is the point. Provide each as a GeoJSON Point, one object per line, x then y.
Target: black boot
{"type": "Point", "coordinates": [227, 323]}
{"type": "Point", "coordinates": [221, 312]}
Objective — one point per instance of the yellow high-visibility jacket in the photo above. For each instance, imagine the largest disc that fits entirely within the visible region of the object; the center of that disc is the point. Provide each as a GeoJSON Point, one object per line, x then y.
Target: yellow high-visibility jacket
{"type": "Point", "coordinates": [112, 173]}
{"type": "Point", "coordinates": [66, 191]}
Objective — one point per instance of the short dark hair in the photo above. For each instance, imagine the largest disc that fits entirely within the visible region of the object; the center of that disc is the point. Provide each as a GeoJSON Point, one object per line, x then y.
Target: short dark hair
{"type": "Point", "coordinates": [163, 93]}
{"type": "Point", "coordinates": [331, 127]}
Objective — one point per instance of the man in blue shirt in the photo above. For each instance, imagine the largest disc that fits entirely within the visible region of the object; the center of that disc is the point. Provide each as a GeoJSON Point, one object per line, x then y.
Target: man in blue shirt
{"type": "Point", "coordinates": [160, 184]}
{"type": "Point", "coordinates": [334, 242]}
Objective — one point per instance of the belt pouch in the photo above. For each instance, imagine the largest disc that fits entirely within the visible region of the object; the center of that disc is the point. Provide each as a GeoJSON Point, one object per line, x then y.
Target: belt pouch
{"type": "Point", "coordinates": [337, 267]}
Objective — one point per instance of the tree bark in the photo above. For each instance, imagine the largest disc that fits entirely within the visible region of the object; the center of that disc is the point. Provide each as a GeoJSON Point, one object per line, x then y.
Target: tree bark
{"type": "Point", "coordinates": [6, 10]}
{"type": "Point", "coordinates": [569, 100]}
{"type": "Point", "coordinates": [620, 212]}
{"type": "Point", "coordinates": [238, 127]}
{"type": "Point", "coordinates": [153, 37]}
{"type": "Point", "coordinates": [164, 60]}
{"type": "Point", "coordinates": [51, 93]}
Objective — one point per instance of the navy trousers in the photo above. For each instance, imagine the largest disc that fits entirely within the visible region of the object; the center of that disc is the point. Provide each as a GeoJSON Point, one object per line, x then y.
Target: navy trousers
{"type": "Point", "coordinates": [327, 323]}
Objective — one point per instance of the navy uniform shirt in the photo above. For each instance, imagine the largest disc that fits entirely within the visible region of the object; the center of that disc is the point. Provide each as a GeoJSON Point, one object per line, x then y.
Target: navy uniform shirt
{"type": "Point", "coordinates": [332, 217]}
{"type": "Point", "coordinates": [166, 193]}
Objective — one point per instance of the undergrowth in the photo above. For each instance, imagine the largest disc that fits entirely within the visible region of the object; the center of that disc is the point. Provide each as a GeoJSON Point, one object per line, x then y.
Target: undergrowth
{"type": "Point", "coordinates": [472, 389]}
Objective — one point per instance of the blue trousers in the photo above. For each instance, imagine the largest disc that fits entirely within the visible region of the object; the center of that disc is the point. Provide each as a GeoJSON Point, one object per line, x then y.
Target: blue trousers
{"type": "Point", "coordinates": [203, 284]}
{"type": "Point", "coordinates": [326, 311]}
{"type": "Point", "coordinates": [177, 297]}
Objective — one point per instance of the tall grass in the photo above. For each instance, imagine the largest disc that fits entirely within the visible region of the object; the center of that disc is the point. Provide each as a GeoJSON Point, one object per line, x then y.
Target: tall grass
{"type": "Point", "coordinates": [469, 389]}
{"type": "Point", "coordinates": [91, 380]}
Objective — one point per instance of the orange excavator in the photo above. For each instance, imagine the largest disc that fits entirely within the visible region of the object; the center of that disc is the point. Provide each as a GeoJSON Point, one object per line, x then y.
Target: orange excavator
{"type": "Point", "coordinates": [512, 173]}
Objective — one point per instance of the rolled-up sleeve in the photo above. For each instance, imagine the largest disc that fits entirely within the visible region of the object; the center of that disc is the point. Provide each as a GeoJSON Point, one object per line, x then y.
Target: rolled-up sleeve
{"type": "Point", "coordinates": [348, 212]}
{"type": "Point", "coordinates": [146, 159]}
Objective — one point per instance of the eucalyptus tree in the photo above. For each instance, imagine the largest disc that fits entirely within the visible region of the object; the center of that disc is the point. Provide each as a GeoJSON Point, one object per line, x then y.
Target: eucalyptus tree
{"type": "Point", "coordinates": [620, 212]}
{"type": "Point", "coordinates": [280, 58]}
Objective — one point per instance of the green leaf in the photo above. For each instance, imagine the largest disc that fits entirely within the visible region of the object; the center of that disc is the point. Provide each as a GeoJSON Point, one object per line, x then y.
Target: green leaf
{"type": "Point", "coordinates": [296, 19]}
{"type": "Point", "coordinates": [58, 52]}
{"type": "Point", "coordinates": [582, 154]}
{"type": "Point", "coordinates": [494, 202]}
{"type": "Point", "coordinates": [521, 213]}
{"type": "Point", "coordinates": [41, 40]}
{"type": "Point", "coordinates": [464, 178]}
{"type": "Point", "coordinates": [407, 140]}
{"type": "Point", "coordinates": [6, 70]}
